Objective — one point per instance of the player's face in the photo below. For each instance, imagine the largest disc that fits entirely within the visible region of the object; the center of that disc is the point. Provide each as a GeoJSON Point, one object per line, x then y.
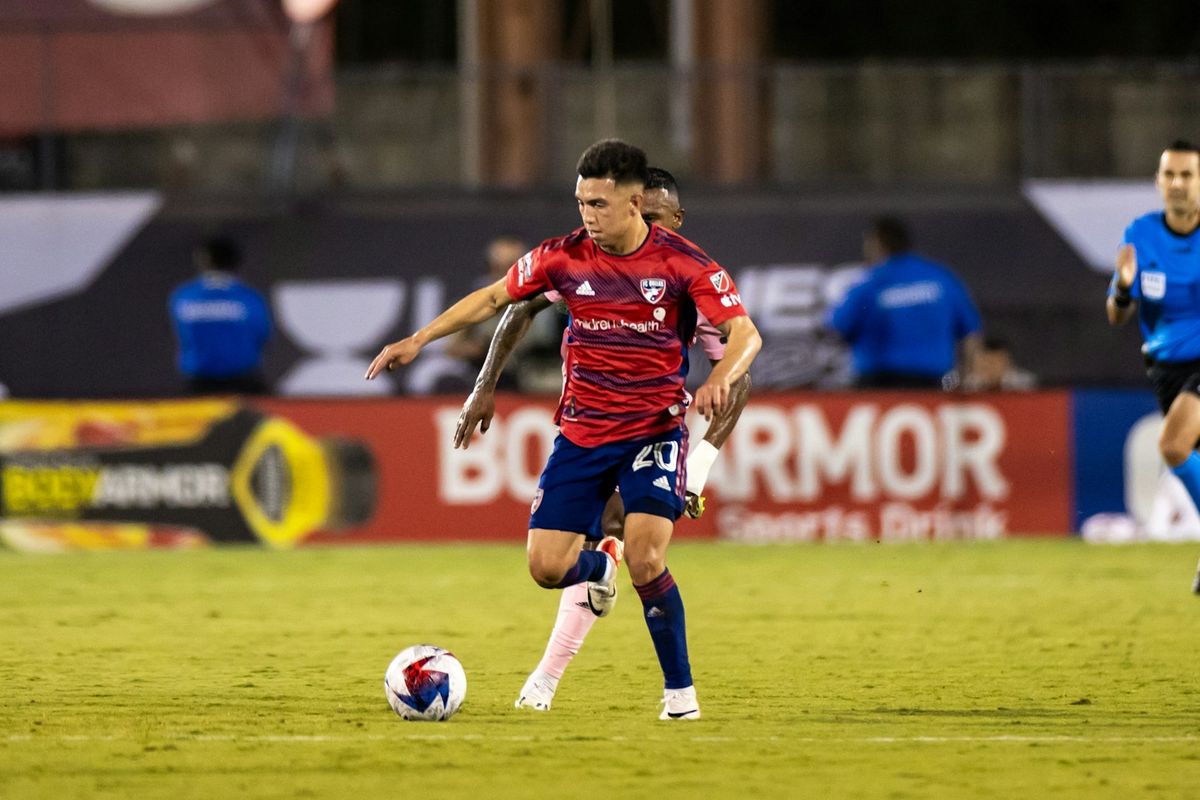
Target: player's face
{"type": "Point", "coordinates": [1178, 181]}
{"type": "Point", "coordinates": [662, 208]}
{"type": "Point", "coordinates": [609, 211]}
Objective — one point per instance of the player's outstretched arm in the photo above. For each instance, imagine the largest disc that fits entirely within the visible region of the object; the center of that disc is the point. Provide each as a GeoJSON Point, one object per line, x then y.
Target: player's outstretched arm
{"type": "Point", "coordinates": [480, 405]}
{"type": "Point", "coordinates": [479, 305]}
{"type": "Point", "coordinates": [1120, 305]}
{"type": "Point", "coordinates": [742, 345]}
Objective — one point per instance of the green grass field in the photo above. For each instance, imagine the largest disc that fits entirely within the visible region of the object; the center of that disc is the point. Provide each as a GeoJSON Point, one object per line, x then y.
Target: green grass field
{"type": "Point", "coordinates": [1018, 669]}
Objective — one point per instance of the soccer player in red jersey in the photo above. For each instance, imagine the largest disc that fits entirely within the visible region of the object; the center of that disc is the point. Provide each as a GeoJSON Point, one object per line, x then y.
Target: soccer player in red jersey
{"type": "Point", "coordinates": [633, 291]}
{"type": "Point", "coordinates": [580, 605]}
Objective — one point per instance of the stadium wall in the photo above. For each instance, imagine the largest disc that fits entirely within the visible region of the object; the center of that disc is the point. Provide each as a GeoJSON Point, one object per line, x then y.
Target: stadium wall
{"type": "Point", "coordinates": [84, 278]}
{"type": "Point", "coordinates": [799, 467]}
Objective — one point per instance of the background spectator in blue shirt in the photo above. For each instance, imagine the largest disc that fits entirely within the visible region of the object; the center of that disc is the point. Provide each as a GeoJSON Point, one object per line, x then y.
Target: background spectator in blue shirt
{"type": "Point", "coordinates": [222, 324]}
{"type": "Point", "coordinates": [907, 319]}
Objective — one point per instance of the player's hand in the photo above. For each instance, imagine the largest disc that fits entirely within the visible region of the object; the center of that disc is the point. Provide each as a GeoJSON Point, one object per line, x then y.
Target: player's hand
{"type": "Point", "coordinates": [712, 397]}
{"type": "Point", "coordinates": [1126, 265]}
{"type": "Point", "coordinates": [694, 507]}
{"type": "Point", "coordinates": [394, 355]}
{"type": "Point", "coordinates": [479, 409]}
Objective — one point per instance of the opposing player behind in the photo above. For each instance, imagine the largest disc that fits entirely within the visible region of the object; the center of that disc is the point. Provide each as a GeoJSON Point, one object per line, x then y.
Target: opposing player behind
{"type": "Point", "coordinates": [578, 607]}
{"type": "Point", "coordinates": [1163, 294]}
{"type": "Point", "coordinates": [633, 291]}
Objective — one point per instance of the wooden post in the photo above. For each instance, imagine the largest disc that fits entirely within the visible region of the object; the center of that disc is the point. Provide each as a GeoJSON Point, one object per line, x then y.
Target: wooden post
{"type": "Point", "coordinates": [730, 90]}
{"type": "Point", "coordinates": [517, 40]}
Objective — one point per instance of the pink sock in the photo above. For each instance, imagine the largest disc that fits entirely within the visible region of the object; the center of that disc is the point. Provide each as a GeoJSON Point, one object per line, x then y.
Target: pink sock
{"type": "Point", "coordinates": [574, 621]}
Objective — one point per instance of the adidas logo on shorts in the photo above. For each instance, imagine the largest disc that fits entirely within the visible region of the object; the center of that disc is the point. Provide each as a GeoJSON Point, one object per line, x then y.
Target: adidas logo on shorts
{"type": "Point", "coordinates": [662, 483]}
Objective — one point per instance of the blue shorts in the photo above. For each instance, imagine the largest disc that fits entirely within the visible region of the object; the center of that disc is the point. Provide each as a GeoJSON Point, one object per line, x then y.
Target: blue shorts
{"type": "Point", "coordinates": [577, 481]}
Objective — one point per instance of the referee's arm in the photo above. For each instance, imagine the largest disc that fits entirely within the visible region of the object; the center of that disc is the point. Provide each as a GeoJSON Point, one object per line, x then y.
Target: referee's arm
{"type": "Point", "coordinates": [1121, 305]}
{"type": "Point", "coordinates": [1118, 314]}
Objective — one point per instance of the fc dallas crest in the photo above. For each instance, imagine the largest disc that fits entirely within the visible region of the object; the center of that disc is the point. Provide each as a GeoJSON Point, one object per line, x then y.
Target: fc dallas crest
{"type": "Point", "coordinates": [653, 289]}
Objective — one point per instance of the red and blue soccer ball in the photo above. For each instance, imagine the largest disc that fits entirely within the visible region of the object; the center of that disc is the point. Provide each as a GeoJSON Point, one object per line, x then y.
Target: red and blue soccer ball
{"type": "Point", "coordinates": [425, 683]}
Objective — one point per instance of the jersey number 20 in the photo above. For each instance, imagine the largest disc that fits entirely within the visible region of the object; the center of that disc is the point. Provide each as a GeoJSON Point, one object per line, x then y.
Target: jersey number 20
{"type": "Point", "coordinates": [665, 454]}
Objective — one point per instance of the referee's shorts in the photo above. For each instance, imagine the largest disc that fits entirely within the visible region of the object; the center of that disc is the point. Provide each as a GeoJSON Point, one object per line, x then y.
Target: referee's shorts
{"type": "Point", "coordinates": [1169, 378]}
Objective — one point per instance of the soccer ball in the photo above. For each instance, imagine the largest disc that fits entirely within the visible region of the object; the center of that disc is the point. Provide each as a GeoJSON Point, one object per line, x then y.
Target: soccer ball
{"type": "Point", "coordinates": [425, 683]}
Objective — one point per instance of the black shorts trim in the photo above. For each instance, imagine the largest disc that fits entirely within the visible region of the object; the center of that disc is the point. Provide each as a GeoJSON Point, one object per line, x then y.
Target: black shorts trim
{"type": "Point", "coordinates": [1169, 378]}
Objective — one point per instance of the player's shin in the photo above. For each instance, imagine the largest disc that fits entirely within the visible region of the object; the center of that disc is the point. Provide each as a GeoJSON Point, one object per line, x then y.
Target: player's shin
{"type": "Point", "coordinates": [1189, 474]}
{"type": "Point", "coordinates": [592, 565]}
{"type": "Point", "coordinates": [663, 610]}
{"type": "Point", "coordinates": [571, 627]}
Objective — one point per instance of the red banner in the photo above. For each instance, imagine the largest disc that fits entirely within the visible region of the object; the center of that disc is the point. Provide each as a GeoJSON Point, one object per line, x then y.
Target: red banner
{"type": "Point", "coordinates": [798, 467]}
{"type": "Point", "coordinates": [895, 466]}
{"type": "Point", "coordinates": [427, 490]}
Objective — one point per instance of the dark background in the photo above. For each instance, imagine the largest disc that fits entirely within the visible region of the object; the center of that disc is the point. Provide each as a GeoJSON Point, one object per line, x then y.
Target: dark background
{"type": "Point", "coordinates": [373, 31]}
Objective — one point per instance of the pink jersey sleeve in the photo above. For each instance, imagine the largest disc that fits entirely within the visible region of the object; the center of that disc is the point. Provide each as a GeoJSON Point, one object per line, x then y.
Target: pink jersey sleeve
{"type": "Point", "coordinates": [528, 276]}
{"type": "Point", "coordinates": [715, 295]}
{"type": "Point", "coordinates": [710, 339]}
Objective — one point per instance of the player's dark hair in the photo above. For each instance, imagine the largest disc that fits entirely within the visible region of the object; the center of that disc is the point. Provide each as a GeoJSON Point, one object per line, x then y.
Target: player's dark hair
{"type": "Point", "coordinates": [612, 158]}
{"type": "Point", "coordinates": [222, 253]}
{"type": "Point", "coordinates": [892, 235]}
{"type": "Point", "coordinates": [661, 179]}
{"type": "Point", "coordinates": [1182, 146]}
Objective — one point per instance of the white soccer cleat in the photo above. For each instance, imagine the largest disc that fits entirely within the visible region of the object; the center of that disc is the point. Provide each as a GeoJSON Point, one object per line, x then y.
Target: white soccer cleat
{"type": "Point", "coordinates": [602, 595]}
{"type": "Point", "coordinates": [538, 692]}
{"type": "Point", "coordinates": [680, 704]}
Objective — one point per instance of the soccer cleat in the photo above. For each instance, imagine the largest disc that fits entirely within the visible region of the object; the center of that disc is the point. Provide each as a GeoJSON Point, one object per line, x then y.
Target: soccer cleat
{"type": "Point", "coordinates": [537, 693]}
{"type": "Point", "coordinates": [694, 507]}
{"type": "Point", "coordinates": [602, 595]}
{"type": "Point", "coordinates": [680, 704]}
{"type": "Point", "coordinates": [614, 548]}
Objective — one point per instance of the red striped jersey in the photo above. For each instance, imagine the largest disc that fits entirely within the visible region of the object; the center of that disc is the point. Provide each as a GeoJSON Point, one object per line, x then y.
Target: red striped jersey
{"type": "Point", "coordinates": [632, 319]}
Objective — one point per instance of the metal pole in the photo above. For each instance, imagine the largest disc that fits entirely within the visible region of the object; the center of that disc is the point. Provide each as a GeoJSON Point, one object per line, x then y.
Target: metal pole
{"type": "Point", "coordinates": [47, 156]}
{"type": "Point", "coordinates": [287, 141]}
{"type": "Point", "coordinates": [602, 68]}
{"type": "Point", "coordinates": [683, 62]}
{"type": "Point", "coordinates": [469, 114]}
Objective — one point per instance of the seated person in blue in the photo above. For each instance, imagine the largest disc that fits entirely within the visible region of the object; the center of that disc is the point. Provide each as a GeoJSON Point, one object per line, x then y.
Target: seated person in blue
{"type": "Point", "coordinates": [222, 325]}
{"type": "Point", "coordinates": [906, 321]}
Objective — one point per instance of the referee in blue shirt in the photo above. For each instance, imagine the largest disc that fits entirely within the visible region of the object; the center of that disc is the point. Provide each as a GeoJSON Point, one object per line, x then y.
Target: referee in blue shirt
{"type": "Point", "coordinates": [221, 323]}
{"type": "Point", "coordinates": [1158, 278]}
{"type": "Point", "coordinates": [907, 319]}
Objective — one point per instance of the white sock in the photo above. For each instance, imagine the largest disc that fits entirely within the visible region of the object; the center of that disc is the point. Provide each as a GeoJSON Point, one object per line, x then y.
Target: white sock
{"type": "Point", "coordinates": [699, 462]}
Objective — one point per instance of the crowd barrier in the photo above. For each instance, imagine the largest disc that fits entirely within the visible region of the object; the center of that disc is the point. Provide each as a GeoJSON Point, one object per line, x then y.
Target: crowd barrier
{"type": "Point", "coordinates": [798, 467]}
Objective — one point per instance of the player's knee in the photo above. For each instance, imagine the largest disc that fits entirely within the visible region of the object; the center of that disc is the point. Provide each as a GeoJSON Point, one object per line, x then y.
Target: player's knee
{"type": "Point", "coordinates": [644, 567]}
{"type": "Point", "coordinates": [1174, 450]}
{"type": "Point", "coordinates": [545, 572]}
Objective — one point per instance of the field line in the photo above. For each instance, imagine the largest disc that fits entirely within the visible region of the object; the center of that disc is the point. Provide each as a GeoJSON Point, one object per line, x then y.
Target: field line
{"type": "Point", "coordinates": [475, 737]}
